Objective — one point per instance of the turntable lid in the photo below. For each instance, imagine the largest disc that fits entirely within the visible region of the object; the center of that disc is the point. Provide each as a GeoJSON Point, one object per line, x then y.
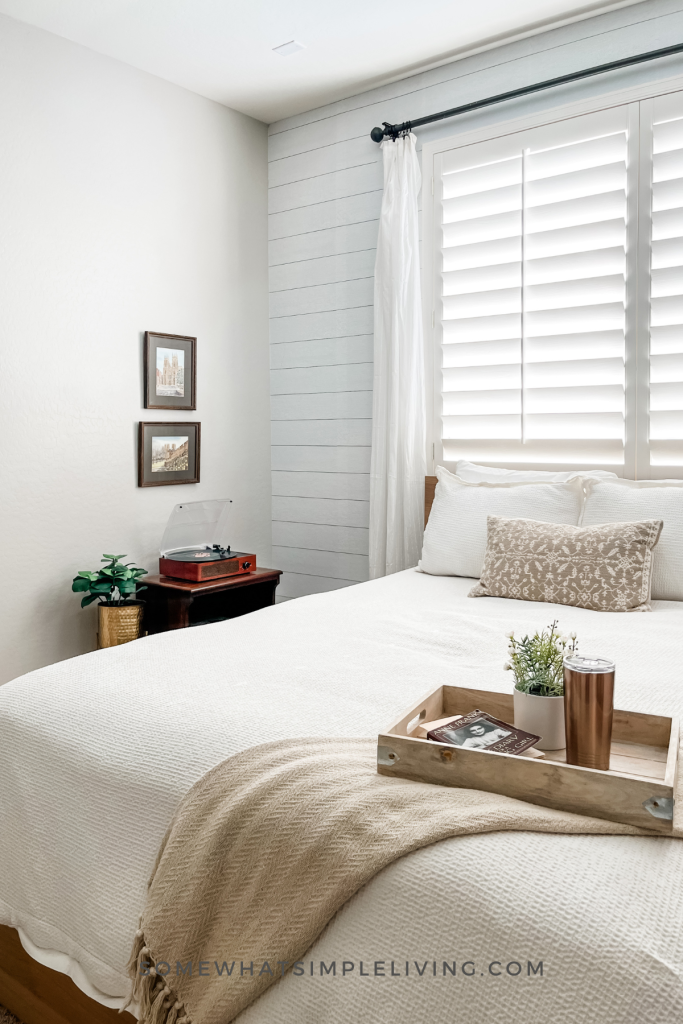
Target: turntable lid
{"type": "Point", "coordinates": [196, 524]}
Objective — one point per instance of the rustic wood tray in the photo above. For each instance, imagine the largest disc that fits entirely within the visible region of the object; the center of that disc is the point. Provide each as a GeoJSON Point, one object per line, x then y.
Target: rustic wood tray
{"type": "Point", "coordinates": [637, 790]}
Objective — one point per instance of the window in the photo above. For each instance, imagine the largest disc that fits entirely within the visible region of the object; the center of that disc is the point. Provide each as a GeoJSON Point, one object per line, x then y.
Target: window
{"type": "Point", "coordinates": [559, 293]}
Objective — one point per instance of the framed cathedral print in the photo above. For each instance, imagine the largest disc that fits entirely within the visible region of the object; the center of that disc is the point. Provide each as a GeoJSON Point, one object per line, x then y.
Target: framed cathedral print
{"type": "Point", "coordinates": [170, 371]}
{"type": "Point", "coordinates": [168, 453]}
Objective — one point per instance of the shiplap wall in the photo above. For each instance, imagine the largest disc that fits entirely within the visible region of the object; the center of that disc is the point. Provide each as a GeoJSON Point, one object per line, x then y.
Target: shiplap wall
{"type": "Point", "coordinates": [325, 178]}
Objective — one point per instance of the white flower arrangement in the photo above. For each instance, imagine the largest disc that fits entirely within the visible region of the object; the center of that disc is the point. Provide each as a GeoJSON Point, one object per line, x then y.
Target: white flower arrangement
{"type": "Point", "coordinates": [537, 661]}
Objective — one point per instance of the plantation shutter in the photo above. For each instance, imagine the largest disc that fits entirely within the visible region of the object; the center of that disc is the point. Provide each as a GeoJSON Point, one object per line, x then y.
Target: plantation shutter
{"type": "Point", "coordinates": [666, 304]}
{"type": "Point", "coordinates": [535, 232]}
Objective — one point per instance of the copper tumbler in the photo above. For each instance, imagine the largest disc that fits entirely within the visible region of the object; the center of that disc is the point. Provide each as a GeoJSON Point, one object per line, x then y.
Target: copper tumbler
{"type": "Point", "coordinates": [588, 707]}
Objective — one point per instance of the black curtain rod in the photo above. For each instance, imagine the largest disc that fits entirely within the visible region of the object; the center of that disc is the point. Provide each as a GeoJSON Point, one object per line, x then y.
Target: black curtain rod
{"type": "Point", "coordinates": [392, 131]}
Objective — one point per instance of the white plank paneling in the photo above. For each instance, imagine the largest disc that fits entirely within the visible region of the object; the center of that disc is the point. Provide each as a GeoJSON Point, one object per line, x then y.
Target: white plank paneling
{"type": "Point", "coordinates": [289, 483]}
{"type": "Point", "coordinates": [321, 298]}
{"type": "Point", "coordinates": [328, 352]}
{"type": "Point", "coordinates": [323, 511]}
{"type": "Point", "coordinates": [333, 406]}
{"type": "Point", "coordinates": [323, 432]}
{"type": "Point", "coordinates": [325, 182]}
{"type": "Point", "coordinates": [350, 540]}
{"type": "Point", "coordinates": [351, 181]}
{"type": "Point", "coordinates": [333, 564]}
{"type": "Point", "coordinates": [337, 323]}
{"type": "Point", "coordinates": [349, 266]}
{"type": "Point", "coordinates": [321, 458]}
{"type": "Point", "coordinates": [294, 584]}
{"type": "Point", "coordinates": [330, 242]}
{"type": "Point", "coordinates": [332, 214]}
{"type": "Point", "coordinates": [317, 379]}
{"type": "Point", "coordinates": [325, 160]}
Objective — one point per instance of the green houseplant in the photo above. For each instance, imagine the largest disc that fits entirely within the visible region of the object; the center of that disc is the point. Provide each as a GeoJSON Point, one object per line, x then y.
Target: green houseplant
{"type": "Point", "coordinates": [537, 664]}
{"type": "Point", "coordinates": [116, 586]}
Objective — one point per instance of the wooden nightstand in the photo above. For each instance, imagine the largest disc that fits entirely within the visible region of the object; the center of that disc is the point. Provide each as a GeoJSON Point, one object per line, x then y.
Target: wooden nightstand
{"type": "Point", "coordinates": [174, 604]}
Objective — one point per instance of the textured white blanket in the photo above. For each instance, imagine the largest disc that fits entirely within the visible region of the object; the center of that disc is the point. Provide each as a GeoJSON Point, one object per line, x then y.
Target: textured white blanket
{"type": "Point", "coordinates": [95, 754]}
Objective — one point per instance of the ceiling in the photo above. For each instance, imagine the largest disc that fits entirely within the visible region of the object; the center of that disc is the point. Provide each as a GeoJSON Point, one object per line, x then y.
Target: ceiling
{"type": "Point", "coordinates": [223, 49]}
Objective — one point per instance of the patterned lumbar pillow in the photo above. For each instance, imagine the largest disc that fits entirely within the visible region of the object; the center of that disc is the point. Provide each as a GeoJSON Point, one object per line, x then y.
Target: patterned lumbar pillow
{"type": "Point", "coordinates": [607, 568]}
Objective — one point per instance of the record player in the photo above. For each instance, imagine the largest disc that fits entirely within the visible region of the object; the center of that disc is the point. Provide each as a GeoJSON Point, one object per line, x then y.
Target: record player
{"type": "Point", "coordinates": [194, 545]}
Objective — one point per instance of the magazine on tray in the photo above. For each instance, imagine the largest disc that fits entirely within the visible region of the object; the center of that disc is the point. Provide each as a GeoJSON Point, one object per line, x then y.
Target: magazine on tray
{"type": "Point", "coordinates": [479, 731]}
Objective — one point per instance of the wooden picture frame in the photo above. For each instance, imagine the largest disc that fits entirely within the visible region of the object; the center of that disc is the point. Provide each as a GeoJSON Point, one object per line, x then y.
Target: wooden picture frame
{"type": "Point", "coordinates": [170, 371]}
{"type": "Point", "coordinates": [168, 453]}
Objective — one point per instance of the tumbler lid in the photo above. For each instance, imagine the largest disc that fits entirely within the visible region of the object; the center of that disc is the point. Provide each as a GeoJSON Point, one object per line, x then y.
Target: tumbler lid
{"type": "Point", "coordinates": [589, 665]}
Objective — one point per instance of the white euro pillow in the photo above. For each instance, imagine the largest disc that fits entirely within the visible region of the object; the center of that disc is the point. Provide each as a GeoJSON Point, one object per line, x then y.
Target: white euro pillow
{"type": "Point", "coordinates": [628, 501]}
{"type": "Point", "coordinates": [472, 473]}
{"type": "Point", "coordinates": [455, 537]}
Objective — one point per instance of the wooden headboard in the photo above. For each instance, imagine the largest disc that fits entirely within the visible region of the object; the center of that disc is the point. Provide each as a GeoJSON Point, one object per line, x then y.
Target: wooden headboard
{"type": "Point", "coordinates": [430, 485]}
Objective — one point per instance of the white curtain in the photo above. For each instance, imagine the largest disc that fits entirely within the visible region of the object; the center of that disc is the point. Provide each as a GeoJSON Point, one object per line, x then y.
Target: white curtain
{"type": "Point", "coordinates": [397, 471]}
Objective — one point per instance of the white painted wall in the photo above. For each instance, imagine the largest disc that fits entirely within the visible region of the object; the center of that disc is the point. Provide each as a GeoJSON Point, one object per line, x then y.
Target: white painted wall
{"type": "Point", "coordinates": [126, 204]}
{"type": "Point", "coordinates": [325, 182]}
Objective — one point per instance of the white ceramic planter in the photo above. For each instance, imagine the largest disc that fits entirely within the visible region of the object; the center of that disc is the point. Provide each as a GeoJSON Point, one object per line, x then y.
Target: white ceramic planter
{"type": "Point", "coordinates": [543, 716]}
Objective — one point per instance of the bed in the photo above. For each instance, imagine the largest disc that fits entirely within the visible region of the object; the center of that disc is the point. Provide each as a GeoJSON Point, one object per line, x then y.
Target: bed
{"type": "Point", "coordinates": [96, 753]}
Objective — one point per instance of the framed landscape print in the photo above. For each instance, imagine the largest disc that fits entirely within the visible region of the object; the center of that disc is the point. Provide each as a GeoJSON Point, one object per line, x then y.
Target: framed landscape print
{"type": "Point", "coordinates": [170, 371]}
{"type": "Point", "coordinates": [168, 453]}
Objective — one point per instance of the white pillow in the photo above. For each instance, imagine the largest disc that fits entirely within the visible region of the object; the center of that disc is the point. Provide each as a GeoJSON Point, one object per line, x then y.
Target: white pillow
{"type": "Point", "coordinates": [487, 474]}
{"type": "Point", "coordinates": [628, 501]}
{"type": "Point", "coordinates": [455, 537]}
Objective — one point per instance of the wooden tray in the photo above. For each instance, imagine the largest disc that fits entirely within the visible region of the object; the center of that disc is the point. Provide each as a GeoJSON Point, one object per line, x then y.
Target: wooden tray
{"type": "Point", "coordinates": [637, 790]}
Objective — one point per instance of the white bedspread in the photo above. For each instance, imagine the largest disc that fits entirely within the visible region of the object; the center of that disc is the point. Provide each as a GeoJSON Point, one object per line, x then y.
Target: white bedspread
{"type": "Point", "coordinates": [96, 752]}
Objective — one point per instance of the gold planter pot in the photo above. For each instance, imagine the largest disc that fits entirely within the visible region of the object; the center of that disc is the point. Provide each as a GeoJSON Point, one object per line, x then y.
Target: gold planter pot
{"type": "Point", "coordinates": [118, 625]}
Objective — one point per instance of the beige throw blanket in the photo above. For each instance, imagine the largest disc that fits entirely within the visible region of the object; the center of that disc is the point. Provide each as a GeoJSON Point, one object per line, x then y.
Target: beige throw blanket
{"type": "Point", "coordinates": [264, 850]}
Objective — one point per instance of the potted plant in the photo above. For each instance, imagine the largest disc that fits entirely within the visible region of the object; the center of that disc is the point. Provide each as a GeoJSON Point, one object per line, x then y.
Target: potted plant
{"type": "Point", "coordinates": [537, 663]}
{"type": "Point", "coordinates": [116, 587]}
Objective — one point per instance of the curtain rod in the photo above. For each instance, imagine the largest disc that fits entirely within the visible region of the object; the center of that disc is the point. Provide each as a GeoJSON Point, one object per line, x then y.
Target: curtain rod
{"type": "Point", "coordinates": [392, 131]}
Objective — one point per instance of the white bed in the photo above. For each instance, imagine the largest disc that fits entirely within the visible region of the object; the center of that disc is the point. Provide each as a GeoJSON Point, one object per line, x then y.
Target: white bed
{"type": "Point", "coordinates": [96, 752]}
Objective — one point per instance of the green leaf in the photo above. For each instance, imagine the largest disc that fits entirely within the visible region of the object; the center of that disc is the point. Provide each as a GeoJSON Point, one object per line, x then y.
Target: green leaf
{"type": "Point", "coordinates": [113, 558]}
{"type": "Point", "coordinates": [80, 585]}
{"type": "Point", "coordinates": [88, 600]}
{"type": "Point", "coordinates": [88, 575]}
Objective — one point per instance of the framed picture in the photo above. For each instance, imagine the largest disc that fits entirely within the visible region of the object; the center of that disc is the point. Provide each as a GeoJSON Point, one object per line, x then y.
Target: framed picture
{"type": "Point", "coordinates": [168, 453]}
{"type": "Point", "coordinates": [170, 371]}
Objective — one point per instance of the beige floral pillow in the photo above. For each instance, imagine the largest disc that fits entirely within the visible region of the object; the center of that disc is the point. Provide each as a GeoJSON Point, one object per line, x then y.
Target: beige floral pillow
{"type": "Point", "coordinates": [607, 568]}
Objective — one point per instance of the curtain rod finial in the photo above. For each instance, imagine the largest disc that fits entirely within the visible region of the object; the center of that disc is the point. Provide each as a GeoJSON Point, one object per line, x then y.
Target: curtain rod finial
{"type": "Point", "coordinates": [377, 134]}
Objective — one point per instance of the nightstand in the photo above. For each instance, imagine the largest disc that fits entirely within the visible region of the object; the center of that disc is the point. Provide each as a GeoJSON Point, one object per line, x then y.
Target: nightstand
{"type": "Point", "coordinates": [174, 604]}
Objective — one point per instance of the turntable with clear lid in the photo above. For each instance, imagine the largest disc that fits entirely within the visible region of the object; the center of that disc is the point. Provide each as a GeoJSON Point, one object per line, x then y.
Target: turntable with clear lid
{"type": "Point", "coordinates": [195, 544]}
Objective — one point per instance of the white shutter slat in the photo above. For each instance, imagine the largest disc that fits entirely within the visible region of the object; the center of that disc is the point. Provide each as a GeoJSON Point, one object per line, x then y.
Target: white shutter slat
{"type": "Point", "coordinates": [577, 265]}
{"type": "Point", "coordinates": [498, 200]}
{"type": "Point", "coordinates": [574, 372]}
{"type": "Point", "coordinates": [666, 285]}
{"type": "Point", "coordinates": [488, 426]}
{"type": "Point", "coordinates": [479, 304]}
{"type": "Point", "coordinates": [666, 368]}
{"type": "Point", "coordinates": [573, 212]}
{"type": "Point", "coordinates": [577, 239]}
{"type": "Point", "coordinates": [484, 378]}
{"type": "Point", "coordinates": [664, 340]}
{"type": "Point", "coordinates": [532, 290]}
{"type": "Point", "coordinates": [482, 328]}
{"type": "Point", "coordinates": [482, 254]}
{"type": "Point", "coordinates": [667, 253]}
{"type": "Point", "coordinates": [482, 353]}
{"type": "Point", "coordinates": [483, 229]}
{"type": "Point", "coordinates": [482, 403]}
{"type": "Point", "coordinates": [479, 279]}
{"type": "Point", "coordinates": [576, 292]}
{"type": "Point", "coordinates": [609, 398]}
{"type": "Point", "coordinates": [576, 425]}
{"type": "Point", "coordinates": [588, 345]}
{"type": "Point", "coordinates": [668, 281]}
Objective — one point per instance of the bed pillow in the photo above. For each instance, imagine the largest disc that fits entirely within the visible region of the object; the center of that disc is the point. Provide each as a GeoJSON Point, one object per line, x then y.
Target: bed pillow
{"type": "Point", "coordinates": [633, 500]}
{"type": "Point", "coordinates": [487, 474]}
{"type": "Point", "coordinates": [455, 537]}
{"type": "Point", "coordinates": [606, 568]}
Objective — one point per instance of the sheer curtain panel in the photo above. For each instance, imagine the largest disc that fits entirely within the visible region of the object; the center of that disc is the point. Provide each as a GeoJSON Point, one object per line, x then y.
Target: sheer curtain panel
{"type": "Point", "coordinates": [398, 413]}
